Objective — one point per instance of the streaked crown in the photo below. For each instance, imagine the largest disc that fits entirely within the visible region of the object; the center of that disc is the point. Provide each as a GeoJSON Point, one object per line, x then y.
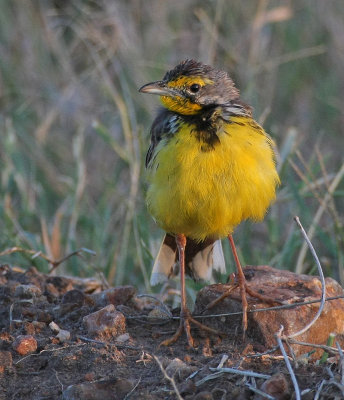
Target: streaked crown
{"type": "Point", "coordinates": [192, 86]}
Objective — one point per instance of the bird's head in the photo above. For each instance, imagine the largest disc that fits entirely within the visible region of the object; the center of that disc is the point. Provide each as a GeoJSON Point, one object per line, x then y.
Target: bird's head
{"type": "Point", "coordinates": [192, 87]}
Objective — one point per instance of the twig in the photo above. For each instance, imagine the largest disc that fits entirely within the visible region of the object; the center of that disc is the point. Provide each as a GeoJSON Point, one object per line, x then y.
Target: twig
{"type": "Point", "coordinates": [278, 336]}
{"type": "Point", "coordinates": [35, 254]}
{"type": "Point", "coordinates": [341, 355]}
{"type": "Point", "coordinates": [316, 346]}
{"type": "Point", "coordinates": [193, 374]}
{"type": "Point", "coordinates": [339, 386]}
{"type": "Point", "coordinates": [260, 392]}
{"type": "Point", "coordinates": [322, 279]}
{"type": "Point", "coordinates": [317, 394]}
{"type": "Point", "coordinates": [132, 390]}
{"type": "Point", "coordinates": [209, 378]}
{"type": "Point", "coordinates": [282, 307]}
{"type": "Point", "coordinates": [220, 371]}
{"type": "Point", "coordinates": [171, 380]}
{"type": "Point", "coordinates": [49, 351]}
{"type": "Point", "coordinates": [330, 373]}
{"type": "Point", "coordinates": [118, 345]}
{"type": "Point", "coordinates": [241, 372]}
{"type": "Point", "coordinates": [78, 252]}
{"type": "Point", "coordinates": [58, 379]}
{"type": "Point", "coordinates": [224, 358]}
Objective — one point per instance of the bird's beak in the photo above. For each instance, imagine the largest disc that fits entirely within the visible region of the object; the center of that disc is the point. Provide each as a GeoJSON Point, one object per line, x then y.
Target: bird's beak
{"type": "Point", "coordinates": [159, 88]}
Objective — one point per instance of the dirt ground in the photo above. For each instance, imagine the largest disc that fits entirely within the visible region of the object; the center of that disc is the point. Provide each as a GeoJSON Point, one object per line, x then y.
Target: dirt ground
{"type": "Point", "coordinates": [131, 365]}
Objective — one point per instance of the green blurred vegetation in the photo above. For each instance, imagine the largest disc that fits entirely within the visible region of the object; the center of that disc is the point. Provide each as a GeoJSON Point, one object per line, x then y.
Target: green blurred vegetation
{"type": "Point", "coordinates": [74, 129]}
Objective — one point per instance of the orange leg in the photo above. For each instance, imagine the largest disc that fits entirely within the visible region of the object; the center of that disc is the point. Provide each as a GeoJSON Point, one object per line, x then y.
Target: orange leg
{"type": "Point", "coordinates": [185, 314]}
{"type": "Point", "coordinates": [243, 287]}
{"type": "Point", "coordinates": [241, 282]}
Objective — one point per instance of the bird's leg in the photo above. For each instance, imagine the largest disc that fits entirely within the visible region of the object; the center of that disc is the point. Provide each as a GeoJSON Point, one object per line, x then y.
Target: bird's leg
{"type": "Point", "coordinates": [241, 282]}
{"type": "Point", "coordinates": [243, 287]}
{"type": "Point", "coordinates": [251, 292]}
{"type": "Point", "coordinates": [185, 315]}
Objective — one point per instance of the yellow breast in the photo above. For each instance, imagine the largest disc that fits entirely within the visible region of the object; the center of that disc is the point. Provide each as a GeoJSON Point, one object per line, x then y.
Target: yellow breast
{"type": "Point", "coordinates": [207, 193]}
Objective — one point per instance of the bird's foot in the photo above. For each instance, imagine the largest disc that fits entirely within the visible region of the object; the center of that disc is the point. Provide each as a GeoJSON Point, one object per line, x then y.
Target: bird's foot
{"type": "Point", "coordinates": [186, 320]}
{"type": "Point", "coordinates": [244, 289]}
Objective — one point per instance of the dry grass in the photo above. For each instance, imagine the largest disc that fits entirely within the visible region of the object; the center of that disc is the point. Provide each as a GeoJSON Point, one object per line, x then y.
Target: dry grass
{"type": "Point", "coordinates": [75, 130]}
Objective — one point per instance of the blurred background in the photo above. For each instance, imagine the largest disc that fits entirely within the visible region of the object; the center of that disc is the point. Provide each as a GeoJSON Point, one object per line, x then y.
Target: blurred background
{"type": "Point", "coordinates": [74, 130]}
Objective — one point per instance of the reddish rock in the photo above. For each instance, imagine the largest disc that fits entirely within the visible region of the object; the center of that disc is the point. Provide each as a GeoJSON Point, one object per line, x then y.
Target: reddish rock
{"type": "Point", "coordinates": [276, 386]}
{"type": "Point", "coordinates": [116, 296]}
{"type": "Point", "coordinates": [24, 344]}
{"type": "Point", "coordinates": [105, 323]}
{"type": "Point", "coordinates": [284, 286]}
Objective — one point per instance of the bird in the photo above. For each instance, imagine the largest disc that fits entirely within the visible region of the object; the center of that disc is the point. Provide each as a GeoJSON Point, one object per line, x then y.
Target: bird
{"type": "Point", "coordinates": [209, 167]}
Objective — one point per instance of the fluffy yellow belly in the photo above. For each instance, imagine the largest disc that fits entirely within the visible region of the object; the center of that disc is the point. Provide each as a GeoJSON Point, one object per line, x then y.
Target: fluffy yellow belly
{"type": "Point", "coordinates": [207, 193]}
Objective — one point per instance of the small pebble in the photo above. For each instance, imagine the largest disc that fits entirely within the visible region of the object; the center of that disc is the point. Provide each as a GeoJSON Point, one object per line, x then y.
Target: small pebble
{"type": "Point", "coordinates": [63, 335]}
{"type": "Point", "coordinates": [123, 338]}
{"type": "Point", "coordinates": [115, 296]}
{"type": "Point", "coordinates": [54, 327]}
{"type": "Point", "coordinates": [24, 344]}
{"type": "Point", "coordinates": [27, 291]}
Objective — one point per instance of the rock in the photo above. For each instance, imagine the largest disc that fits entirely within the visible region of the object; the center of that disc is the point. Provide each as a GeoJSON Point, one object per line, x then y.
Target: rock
{"type": "Point", "coordinates": [73, 299]}
{"type": "Point", "coordinates": [29, 328]}
{"type": "Point", "coordinates": [178, 369]}
{"type": "Point", "coordinates": [203, 396]}
{"type": "Point", "coordinates": [61, 284]}
{"type": "Point", "coordinates": [109, 389]}
{"type": "Point", "coordinates": [24, 344]}
{"type": "Point", "coordinates": [74, 296]}
{"type": "Point", "coordinates": [5, 360]}
{"type": "Point", "coordinates": [51, 291]}
{"type": "Point", "coordinates": [63, 336]}
{"type": "Point", "coordinates": [43, 316]}
{"type": "Point", "coordinates": [54, 327]}
{"type": "Point", "coordinates": [187, 388]}
{"type": "Point", "coordinates": [105, 323]}
{"type": "Point", "coordinates": [284, 286]}
{"type": "Point", "coordinates": [27, 291]}
{"type": "Point", "coordinates": [116, 296]}
{"type": "Point", "coordinates": [123, 338]}
{"type": "Point", "coordinates": [39, 326]}
{"type": "Point", "coordinates": [276, 386]}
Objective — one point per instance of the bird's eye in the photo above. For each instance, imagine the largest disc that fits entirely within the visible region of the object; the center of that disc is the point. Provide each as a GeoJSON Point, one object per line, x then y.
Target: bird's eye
{"type": "Point", "coordinates": [194, 88]}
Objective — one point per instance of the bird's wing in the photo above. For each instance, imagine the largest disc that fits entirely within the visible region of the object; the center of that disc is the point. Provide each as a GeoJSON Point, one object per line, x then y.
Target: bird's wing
{"type": "Point", "coordinates": [165, 125]}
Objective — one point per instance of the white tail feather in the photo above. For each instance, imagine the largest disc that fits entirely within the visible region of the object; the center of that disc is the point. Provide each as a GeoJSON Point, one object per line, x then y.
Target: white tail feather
{"type": "Point", "coordinates": [202, 265]}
